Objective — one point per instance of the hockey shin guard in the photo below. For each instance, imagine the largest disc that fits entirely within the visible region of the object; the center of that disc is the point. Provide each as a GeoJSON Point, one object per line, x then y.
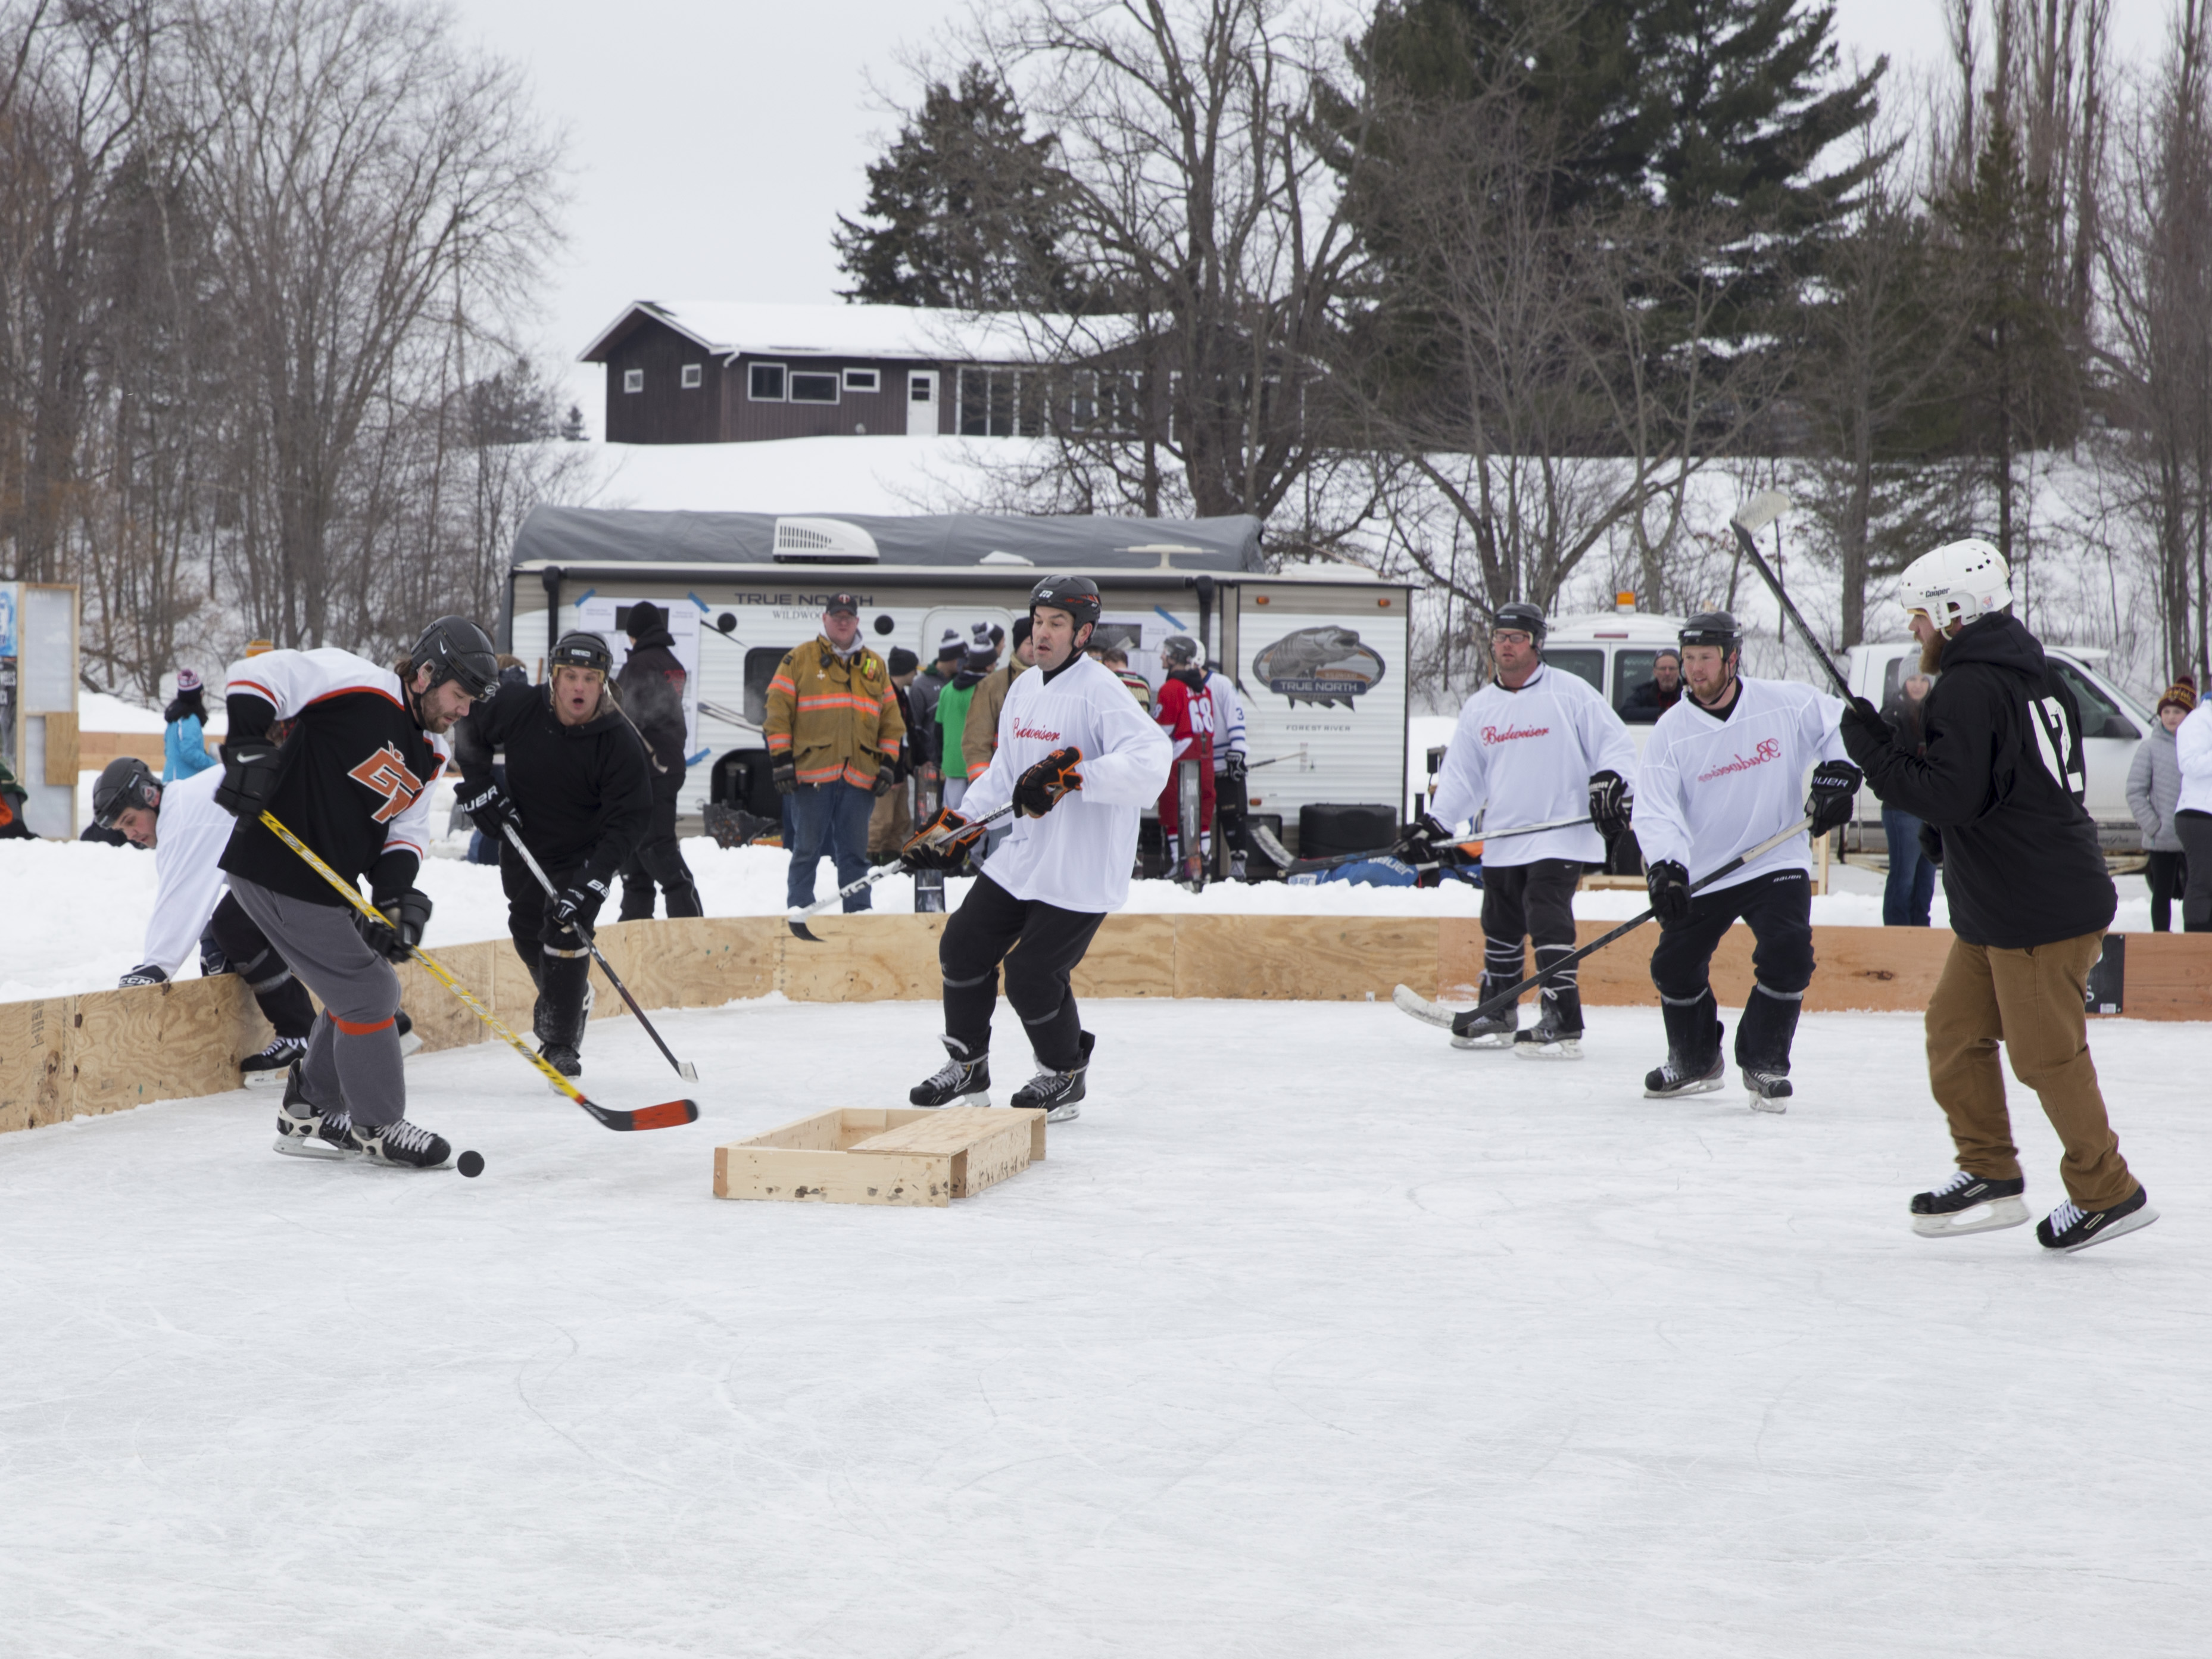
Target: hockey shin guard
{"type": "Point", "coordinates": [560, 1017]}
{"type": "Point", "coordinates": [1769, 1022]}
{"type": "Point", "coordinates": [1693, 1030]}
{"type": "Point", "coordinates": [1562, 993]}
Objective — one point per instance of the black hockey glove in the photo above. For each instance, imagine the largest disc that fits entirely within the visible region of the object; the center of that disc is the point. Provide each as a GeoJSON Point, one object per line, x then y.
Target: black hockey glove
{"type": "Point", "coordinates": [1233, 768]}
{"type": "Point", "coordinates": [1863, 729]}
{"type": "Point", "coordinates": [1609, 803]}
{"type": "Point", "coordinates": [785, 776]}
{"type": "Point", "coordinates": [146, 974]}
{"type": "Point", "coordinates": [1669, 885]}
{"type": "Point", "coordinates": [1042, 787]}
{"type": "Point", "coordinates": [886, 777]}
{"type": "Point", "coordinates": [1931, 844]}
{"type": "Point", "coordinates": [942, 844]}
{"type": "Point", "coordinates": [1835, 792]}
{"type": "Point", "coordinates": [491, 812]}
{"type": "Point", "coordinates": [1424, 841]}
{"type": "Point", "coordinates": [405, 917]}
{"type": "Point", "coordinates": [580, 899]}
{"type": "Point", "coordinates": [249, 778]}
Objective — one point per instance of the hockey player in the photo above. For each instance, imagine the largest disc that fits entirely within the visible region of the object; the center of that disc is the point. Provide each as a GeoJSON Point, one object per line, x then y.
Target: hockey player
{"type": "Point", "coordinates": [1999, 784]}
{"type": "Point", "coordinates": [1231, 759]}
{"type": "Point", "coordinates": [1185, 713]}
{"type": "Point", "coordinates": [1720, 775]}
{"type": "Point", "coordinates": [187, 832]}
{"type": "Point", "coordinates": [1537, 743]}
{"type": "Point", "coordinates": [1078, 760]}
{"type": "Point", "coordinates": [352, 783]}
{"type": "Point", "coordinates": [579, 791]}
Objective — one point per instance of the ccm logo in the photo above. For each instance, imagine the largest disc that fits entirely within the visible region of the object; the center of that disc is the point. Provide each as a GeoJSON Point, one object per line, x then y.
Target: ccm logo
{"type": "Point", "coordinates": [386, 773]}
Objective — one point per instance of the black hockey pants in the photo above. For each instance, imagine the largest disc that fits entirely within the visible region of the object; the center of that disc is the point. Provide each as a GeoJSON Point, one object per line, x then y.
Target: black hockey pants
{"type": "Point", "coordinates": [1778, 909]}
{"type": "Point", "coordinates": [1040, 943]}
{"type": "Point", "coordinates": [283, 999]}
{"type": "Point", "coordinates": [659, 861]}
{"type": "Point", "coordinates": [1536, 901]}
{"type": "Point", "coordinates": [558, 962]}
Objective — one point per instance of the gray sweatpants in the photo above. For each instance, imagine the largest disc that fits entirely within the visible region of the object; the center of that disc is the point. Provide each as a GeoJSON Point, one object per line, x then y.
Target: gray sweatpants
{"type": "Point", "coordinates": [353, 1054]}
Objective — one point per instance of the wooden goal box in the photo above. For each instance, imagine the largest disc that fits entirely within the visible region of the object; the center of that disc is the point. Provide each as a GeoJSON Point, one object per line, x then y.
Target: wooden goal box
{"type": "Point", "coordinates": [903, 1155]}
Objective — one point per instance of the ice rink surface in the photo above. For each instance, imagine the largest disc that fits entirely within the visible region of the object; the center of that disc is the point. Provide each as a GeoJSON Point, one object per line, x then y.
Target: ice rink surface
{"type": "Point", "coordinates": [1313, 1337]}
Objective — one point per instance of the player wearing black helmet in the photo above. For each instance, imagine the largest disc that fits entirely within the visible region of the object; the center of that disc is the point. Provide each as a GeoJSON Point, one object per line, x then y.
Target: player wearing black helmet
{"type": "Point", "coordinates": [351, 780]}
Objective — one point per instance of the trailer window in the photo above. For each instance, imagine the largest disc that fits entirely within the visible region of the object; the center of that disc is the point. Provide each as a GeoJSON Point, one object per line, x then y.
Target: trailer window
{"type": "Point", "coordinates": [761, 664]}
{"type": "Point", "coordinates": [1586, 666]}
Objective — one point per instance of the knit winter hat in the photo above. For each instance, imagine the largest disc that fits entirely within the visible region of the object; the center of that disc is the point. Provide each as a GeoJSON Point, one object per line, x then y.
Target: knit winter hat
{"type": "Point", "coordinates": [2181, 693]}
{"type": "Point", "coordinates": [187, 681]}
{"type": "Point", "coordinates": [903, 661]}
{"type": "Point", "coordinates": [951, 645]}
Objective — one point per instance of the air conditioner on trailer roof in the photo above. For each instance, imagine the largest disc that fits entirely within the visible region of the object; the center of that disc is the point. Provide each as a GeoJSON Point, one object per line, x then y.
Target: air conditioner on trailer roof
{"type": "Point", "coordinates": [822, 541]}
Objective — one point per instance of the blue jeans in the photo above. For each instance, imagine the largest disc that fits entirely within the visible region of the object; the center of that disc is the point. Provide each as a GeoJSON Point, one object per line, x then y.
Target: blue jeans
{"type": "Point", "coordinates": [831, 819]}
{"type": "Point", "coordinates": [1912, 885]}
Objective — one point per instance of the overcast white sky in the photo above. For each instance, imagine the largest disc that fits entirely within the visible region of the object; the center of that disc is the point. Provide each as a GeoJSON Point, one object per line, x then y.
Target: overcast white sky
{"type": "Point", "coordinates": [714, 143]}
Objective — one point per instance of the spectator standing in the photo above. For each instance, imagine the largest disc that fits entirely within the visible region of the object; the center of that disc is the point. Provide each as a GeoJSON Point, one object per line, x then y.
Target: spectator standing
{"type": "Point", "coordinates": [835, 733]}
{"type": "Point", "coordinates": [184, 737]}
{"type": "Point", "coordinates": [2192, 817]}
{"type": "Point", "coordinates": [951, 741]}
{"type": "Point", "coordinates": [891, 825]}
{"type": "Point", "coordinates": [651, 690]}
{"type": "Point", "coordinates": [1116, 661]}
{"type": "Point", "coordinates": [2154, 792]}
{"type": "Point", "coordinates": [922, 697]}
{"type": "Point", "coordinates": [1653, 697]}
{"type": "Point", "coordinates": [1909, 894]}
{"type": "Point", "coordinates": [980, 738]}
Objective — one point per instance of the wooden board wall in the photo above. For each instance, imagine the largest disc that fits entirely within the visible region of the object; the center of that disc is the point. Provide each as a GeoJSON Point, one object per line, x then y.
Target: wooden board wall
{"type": "Point", "coordinates": [104, 1051]}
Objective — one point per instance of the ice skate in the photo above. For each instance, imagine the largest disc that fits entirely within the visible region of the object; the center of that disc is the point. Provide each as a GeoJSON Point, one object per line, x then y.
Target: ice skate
{"type": "Point", "coordinates": [1680, 1077]}
{"type": "Point", "coordinates": [1770, 1090]}
{"type": "Point", "coordinates": [957, 1082]}
{"type": "Point", "coordinates": [1969, 1204]}
{"type": "Point", "coordinates": [269, 1068]}
{"type": "Point", "coordinates": [401, 1145]}
{"type": "Point", "coordinates": [1058, 1093]}
{"type": "Point", "coordinates": [1549, 1039]}
{"type": "Point", "coordinates": [305, 1131]}
{"type": "Point", "coordinates": [1691, 1030]}
{"type": "Point", "coordinates": [1495, 1031]}
{"type": "Point", "coordinates": [563, 1058]}
{"type": "Point", "coordinates": [2071, 1229]}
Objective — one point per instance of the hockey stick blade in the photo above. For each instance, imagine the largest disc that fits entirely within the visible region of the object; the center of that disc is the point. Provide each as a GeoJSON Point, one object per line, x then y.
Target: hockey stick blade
{"type": "Point", "coordinates": [1755, 515]}
{"type": "Point", "coordinates": [1763, 509]}
{"type": "Point", "coordinates": [1407, 1001]}
{"type": "Point", "coordinates": [669, 1115]}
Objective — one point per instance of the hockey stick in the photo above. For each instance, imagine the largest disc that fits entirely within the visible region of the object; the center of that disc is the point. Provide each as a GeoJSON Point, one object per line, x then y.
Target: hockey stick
{"type": "Point", "coordinates": [1755, 515]}
{"type": "Point", "coordinates": [1411, 1001]}
{"type": "Point", "coordinates": [666, 1116]}
{"type": "Point", "coordinates": [796, 919]}
{"type": "Point", "coordinates": [1313, 866]}
{"type": "Point", "coordinates": [684, 1068]}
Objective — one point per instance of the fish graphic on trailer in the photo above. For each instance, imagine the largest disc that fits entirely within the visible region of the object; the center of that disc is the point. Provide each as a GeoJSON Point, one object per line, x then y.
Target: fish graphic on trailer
{"type": "Point", "coordinates": [1325, 664]}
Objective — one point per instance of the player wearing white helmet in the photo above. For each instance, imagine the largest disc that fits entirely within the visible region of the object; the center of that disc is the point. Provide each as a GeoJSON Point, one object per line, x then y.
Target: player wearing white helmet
{"type": "Point", "coordinates": [1999, 783]}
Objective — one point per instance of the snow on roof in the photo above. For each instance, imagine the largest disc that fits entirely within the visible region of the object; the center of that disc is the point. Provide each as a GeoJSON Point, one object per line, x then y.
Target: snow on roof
{"type": "Point", "coordinates": [728, 329]}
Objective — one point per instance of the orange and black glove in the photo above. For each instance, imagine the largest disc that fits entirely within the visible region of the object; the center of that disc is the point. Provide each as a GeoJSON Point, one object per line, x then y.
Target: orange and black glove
{"type": "Point", "coordinates": [1043, 786]}
{"type": "Point", "coordinates": [942, 844]}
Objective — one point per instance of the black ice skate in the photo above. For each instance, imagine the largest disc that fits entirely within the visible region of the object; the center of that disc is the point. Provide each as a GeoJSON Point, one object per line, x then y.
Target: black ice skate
{"type": "Point", "coordinates": [1058, 1094]}
{"type": "Point", "coordinates": [957, 1082]}
{"type": "Point", "coordinates": [1969, 1204]}
{"type": "Point", "coordinates": [563, 1058]}
{"type": "Point", "coordinates": [2068, 1229]}
{"type": "Point", "coordinates": [1770, 1090]}
{"type": "Point", "coordinates": [304, 1130]}
{"type": "Point", "coordinates": [1491, 1031]}
{"type": "Point", "coordinates": [401, 1145]}
{"type": "Point", "coordinates": [1549, 1039]}
{"type": "Point", "coordinates": [269, 1068]}
{"type": "Point", "coordinates": [1681, 1077]}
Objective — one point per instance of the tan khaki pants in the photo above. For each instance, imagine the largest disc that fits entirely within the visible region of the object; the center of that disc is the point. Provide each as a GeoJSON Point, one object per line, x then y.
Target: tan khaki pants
{"type": "Point", "coordinates": [2032, 1001]}
{"type": "Point", "coordinates": [891, 825]}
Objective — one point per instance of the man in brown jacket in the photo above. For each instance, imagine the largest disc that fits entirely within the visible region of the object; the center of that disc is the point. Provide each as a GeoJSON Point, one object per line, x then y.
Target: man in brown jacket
{"type": "Point", "coordinates": [834, 732]}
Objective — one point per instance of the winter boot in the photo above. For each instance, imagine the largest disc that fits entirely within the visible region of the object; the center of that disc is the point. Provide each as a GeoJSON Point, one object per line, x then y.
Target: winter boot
{"type": "Point", "coordinates": [1969, 1204]}
{"type": "Point", "coordinates": [269, 1068]}
{"type": "Point", "coordinates": [1058, 1093]}
{"type": "Point", "coordinates": [305, 1130]}
{"type": "Point", "coordinates": [958, 1082]}
{"type": "Point", "coordinates": [1762, 1046]}
{"type": "Point", "coordinates": [401, 1145]}
{"type": "Point", "coordinates": [2069, 1228]}
{"type": "Point", "coordinates": [1694, 1066]}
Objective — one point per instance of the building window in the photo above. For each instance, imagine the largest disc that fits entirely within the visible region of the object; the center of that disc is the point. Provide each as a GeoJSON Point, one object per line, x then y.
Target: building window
{"type": "Point", "coordinates": [813, 386]}
{"type": "Point", "coordinates": [633, 379]}
{"type": "Point", "coordinates": [1000, 403]}
{"type": "Point", "coordinates": [862, 379]}
{"type": "Point", "coordinates": [764, 383]}
{"type": "Point", "coordinates": [693, 375]}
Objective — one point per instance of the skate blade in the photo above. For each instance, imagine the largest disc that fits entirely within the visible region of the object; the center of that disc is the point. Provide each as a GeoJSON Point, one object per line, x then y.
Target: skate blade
{"type": "Point", "coordinates": [981, 1098]}
{"type": "Point", "coordinates": [1997, 1213]}
{"type": "Point", "coordinates": [312, 1149]}
{"type": "Point", "coordinates": [1777, 1104]}
{"type": "Point", "coordinates": [1710, 1085]}
{"type": "Point", "coordinates": [264, 1080]}
{"type": "Point", "coordinates": [1570, 1049]}
{"type": "Point", "coordinates": [410, 1043]}
{"type": "Point", "coordinates": [1502, 1040]}
{"type": "Point", "coordinates": [2135, 1223]}
{"type": "Point", "coordinates": [1066, 1114]}
{"type": "Point", "coordinates": [1407, 1001]}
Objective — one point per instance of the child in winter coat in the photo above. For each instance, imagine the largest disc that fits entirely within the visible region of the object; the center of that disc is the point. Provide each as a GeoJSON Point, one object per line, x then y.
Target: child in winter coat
{"type": "Point", "coordinates": [183, 743]}
{"type": "Point", "coordinates": [2153, 793]}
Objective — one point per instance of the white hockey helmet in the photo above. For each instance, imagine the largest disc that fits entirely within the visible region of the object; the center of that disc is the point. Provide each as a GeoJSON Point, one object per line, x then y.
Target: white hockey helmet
{"type": "Point", "coordinates": [1957, 582]}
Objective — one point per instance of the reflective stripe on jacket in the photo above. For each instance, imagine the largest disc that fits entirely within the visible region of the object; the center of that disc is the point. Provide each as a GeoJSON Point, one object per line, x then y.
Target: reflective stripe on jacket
{"type": "Point", "coordinates": [835, 717]}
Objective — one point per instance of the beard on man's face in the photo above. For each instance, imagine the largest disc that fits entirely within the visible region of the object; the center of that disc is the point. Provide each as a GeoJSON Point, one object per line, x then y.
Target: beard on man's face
{"type": "Point", "coordinates": [1932, 652]}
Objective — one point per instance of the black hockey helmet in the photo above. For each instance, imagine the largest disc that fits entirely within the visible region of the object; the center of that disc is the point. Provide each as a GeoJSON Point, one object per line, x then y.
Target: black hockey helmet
{"type": "Point", "coordinates": [1520, 614]}
{"type": "Point", "coordinates": [578, 649]}
{"type": "Point", "coordinates": [1712, 628]}
{"type": "Point", "coordinates": [1179, 651]}
{"type": "Point", "coordinates": [124, 782]}
{"type": "Point", "coordinates": [1076, 595]}
{"type": "Point", "coordinates": [454, 648]}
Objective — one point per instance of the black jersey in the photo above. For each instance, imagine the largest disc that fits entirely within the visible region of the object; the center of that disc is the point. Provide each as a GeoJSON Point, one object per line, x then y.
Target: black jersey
{"type": "Point", "coordinates": [354, 773]}
{"type": "Point", "coordinates": [582, 791]}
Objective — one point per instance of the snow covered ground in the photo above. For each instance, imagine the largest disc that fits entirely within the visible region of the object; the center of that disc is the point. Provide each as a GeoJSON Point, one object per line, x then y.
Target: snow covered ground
{"type": "Point", "coordinates": [1368, 1347]}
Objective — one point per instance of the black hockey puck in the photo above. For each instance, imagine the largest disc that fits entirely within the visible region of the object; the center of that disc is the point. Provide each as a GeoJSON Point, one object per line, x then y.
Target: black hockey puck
{"type": "Point", "coordinates": [470, 1164]}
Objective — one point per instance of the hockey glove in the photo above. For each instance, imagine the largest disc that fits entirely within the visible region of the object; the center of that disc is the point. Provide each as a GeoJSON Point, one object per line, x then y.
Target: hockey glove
{"type": "Point", "coordinates": [1863, 729]}
{"type": "Point", "coordinates": [942, 844]}
{"type": "Point", "coordinates": [1835, 792]}
{"type": "Point", "coordinates": [1233, 770]}
{"type": "Point", "coordinates": [1040, 788]}
{"type": "Point", "coordinates": [1668, 884]}
{"type": "Point", "coordinates": [491, 812]}
{"type": "Point", "coordinates": [884, 781]}
{"type": "Point", "coordinates": [1423, 841]}
{"type": "Point", "coordinates": [249, 778]}
{"type": "Point", "coordinates": [1609, 803]}
{"type": "Point", "coordinates": [147, 974]}
{"type": "Point", "coordinates": [581, 899]}
{"type": "Point", "coordinates": [785, 776]}
{"type": "Point", "coordinates": [405, 917]}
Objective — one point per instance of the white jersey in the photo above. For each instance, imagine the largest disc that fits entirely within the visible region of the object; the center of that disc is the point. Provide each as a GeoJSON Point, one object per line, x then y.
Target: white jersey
{"type": "Point", "coordinates": [190, 833]}
{"type": "Point", "coordinates": [1527, 757]}
{"type": "Point", "coordinates": [1228, 719]}
{"type": "Point", "coordinates": [1712, 787]}
{"type": "Point", "coordinates": [1078, 856]}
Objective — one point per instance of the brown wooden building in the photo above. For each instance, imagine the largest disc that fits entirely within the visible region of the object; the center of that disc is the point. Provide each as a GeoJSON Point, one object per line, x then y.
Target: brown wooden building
{"type": "Point", "coordinates": [707, 374]}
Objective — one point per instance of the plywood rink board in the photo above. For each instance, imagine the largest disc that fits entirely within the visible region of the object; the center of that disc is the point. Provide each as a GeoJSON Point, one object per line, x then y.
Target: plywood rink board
{"type": "Point", "coordinates": [903, 1156]}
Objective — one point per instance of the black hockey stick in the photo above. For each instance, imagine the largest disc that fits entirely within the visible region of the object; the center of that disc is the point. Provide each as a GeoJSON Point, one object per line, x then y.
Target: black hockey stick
{"type": "Point", "coordinates": [1752, 517]}
{"type": "Point", "coordinates": [684, 1068]}
{"type": "Point", "coordinates": [1463, 1018]}
{"type": "Point", "coordinates": [666, 1116]}
{"type": "Point", "coordinates": [796, 919]}
{"type": "Point", "coordinates": [1312, 866]}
